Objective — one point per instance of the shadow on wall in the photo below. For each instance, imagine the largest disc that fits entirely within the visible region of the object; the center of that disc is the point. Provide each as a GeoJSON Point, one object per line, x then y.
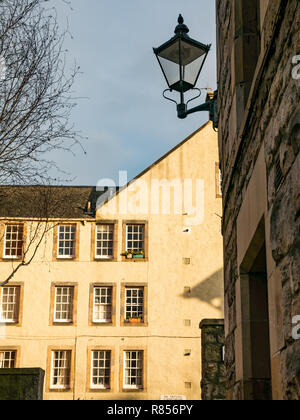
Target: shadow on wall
{"type": "Point", "coordinates": [209, 291]}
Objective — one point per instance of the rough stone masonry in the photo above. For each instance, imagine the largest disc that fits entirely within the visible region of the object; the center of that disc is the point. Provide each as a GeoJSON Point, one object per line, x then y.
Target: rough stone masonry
{"type": "Point", "coordinates": [259, 97]}
{"type": "Point", "coordinates": [213, 368]}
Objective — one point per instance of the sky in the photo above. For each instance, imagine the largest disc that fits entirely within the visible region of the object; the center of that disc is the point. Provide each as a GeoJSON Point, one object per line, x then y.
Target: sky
{"type": "Point", "coordinates": [121, 111]}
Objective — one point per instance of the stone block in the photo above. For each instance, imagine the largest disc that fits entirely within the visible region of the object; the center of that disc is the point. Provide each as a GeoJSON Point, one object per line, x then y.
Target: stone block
{"type": "Point", "coordinates": [213, 370]}
{"type": "Point", "coordinates": [21, 384]}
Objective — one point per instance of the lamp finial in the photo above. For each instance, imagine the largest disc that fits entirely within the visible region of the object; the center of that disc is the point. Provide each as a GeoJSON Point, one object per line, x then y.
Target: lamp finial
{"type": "Point", "coordinates": [181, 27]}
{"type": "Point", "coordinates": [180, 19]}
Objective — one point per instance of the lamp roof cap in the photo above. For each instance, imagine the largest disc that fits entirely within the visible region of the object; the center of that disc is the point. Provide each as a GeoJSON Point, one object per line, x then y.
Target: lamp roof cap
{"type": "Point", "coordinates": [181, 27]}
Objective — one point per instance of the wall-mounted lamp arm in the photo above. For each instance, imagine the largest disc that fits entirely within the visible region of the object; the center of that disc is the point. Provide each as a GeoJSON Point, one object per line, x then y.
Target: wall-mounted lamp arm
{"type": "Point", "coordinates": [210, 106]}
{"type": "Point", "coordinates": [183, 112]}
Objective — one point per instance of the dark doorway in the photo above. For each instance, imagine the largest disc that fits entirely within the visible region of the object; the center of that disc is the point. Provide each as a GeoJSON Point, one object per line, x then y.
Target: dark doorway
{"type": "Point", "coordinates": [260, 387]}
{"type": "Point", "coordinates": [255, 331]}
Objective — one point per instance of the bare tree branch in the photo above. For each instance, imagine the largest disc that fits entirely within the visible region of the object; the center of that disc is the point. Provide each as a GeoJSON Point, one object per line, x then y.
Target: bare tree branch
{"type": "Point", "coordinates": [41, 208]}
{"type": "Point", "coordinates": [35, 95]}
{"type": "Point", "coordinates": [35, 106]}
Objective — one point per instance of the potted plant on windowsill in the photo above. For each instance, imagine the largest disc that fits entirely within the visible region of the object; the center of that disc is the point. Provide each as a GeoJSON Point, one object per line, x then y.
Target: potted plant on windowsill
{"type": "Point", "coordinates": [127, 254]}
{"type": "Point", "coordinates": [138, 254]}
{"type": "Point", "coordinates": [133, 254]}
{"type": "Point", "coordinates": [134, 320]}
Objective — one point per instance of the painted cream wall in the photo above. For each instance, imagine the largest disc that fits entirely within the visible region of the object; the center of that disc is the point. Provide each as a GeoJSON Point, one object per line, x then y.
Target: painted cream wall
{"type": "Point", "coordinates": [165, 338]}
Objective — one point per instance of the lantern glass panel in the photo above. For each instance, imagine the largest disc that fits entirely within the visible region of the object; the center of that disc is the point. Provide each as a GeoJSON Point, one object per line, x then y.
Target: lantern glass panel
{"type": "Point", "coordinates": [191, 71]}
{"type": "Point", "coordinates": [171, 71]}
{"type": "Point", "coordinates": [181, 62]}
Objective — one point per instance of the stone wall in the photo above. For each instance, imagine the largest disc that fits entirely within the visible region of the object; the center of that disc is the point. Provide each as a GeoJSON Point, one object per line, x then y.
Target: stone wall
{"type": "Point", "coordinates": [213, 369]}
{"type": "Point", "coordinates": [21, 384]}
{"type": "Point", "coordinates": [269, 123]}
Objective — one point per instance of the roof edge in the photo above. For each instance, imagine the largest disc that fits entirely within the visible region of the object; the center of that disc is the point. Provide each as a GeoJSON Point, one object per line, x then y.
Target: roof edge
{"type": "Point", "coordinates": [169, 152]}
{"type": "Point", "coordinates": [159, 160]}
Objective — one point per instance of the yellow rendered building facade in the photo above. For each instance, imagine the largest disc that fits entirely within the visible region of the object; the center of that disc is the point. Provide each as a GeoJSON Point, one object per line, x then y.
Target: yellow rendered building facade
{"type": "Point", "coordinates": [109, 326]}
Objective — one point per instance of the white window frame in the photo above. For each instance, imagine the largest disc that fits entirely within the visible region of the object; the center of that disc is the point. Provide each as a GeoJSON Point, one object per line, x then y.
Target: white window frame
{"type": "Point", "coordinates": [69, 302]}
{"type": "Point", "coordinates": [15, 257]}
{"type": "Point", "coordinates": [127, 370]}
{"type": "Point", "coordinates": [105, 368]}
{"type": "Point", "coordinates": [139, 240]}
{"type": "Point", "coordinates": [110, 231]}
{"type": "Point", "coordinates": [6, 356]}
{"type": "Point", "coordinates": [64, 240]}
{"type": "Point", "coordinates": [65, 360]}
{"type": "Point", "coordinates": [105, 298]}
{"type": "Point", "coordinates": [134, 311]}
{"type": "Point", "coordinates": [15, 303]}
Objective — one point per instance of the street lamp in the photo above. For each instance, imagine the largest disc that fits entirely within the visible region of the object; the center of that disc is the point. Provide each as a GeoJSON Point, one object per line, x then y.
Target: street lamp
{"type": "Point", "coordinates": [181, 60]}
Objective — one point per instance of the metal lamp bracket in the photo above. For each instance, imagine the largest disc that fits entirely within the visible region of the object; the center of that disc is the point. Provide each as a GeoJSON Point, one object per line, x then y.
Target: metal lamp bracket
{"type": "Point", "coordinates": [209, 105]}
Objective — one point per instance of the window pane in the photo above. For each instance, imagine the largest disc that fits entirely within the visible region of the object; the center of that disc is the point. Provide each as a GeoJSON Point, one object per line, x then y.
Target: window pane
{"type": "Point", "coordinates": [66, 243]}
{"type": "Point", "coordinates": [104, 241]}
{"type": "Point", "coordinates": [9, 303]}
{"type": "Point", "coordinates": [135, 238]}
{"type": "Point", "coordinates": [61, 369]}
{"type": "Point", "coordinates": [100, 369]}
{"type": "Point", "coordinates": [13, 247]}
{"type": "Point", "coordinates": [7, 359]}
{"type": "Point", "coordinates": [102, 306]}
{"type": "Point", "coordinates": [133, 369]}
{"type": "Point", "coordinates": [64, 304]}
{"type": "Point", "coordinates": [134, 298]}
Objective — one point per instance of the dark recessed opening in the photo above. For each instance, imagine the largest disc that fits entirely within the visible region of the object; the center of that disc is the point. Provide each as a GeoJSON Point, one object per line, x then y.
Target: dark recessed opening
{"type": "Point", "coordinates": [278, 174]}
{"type": "Point", "coordinates": [259, 329]}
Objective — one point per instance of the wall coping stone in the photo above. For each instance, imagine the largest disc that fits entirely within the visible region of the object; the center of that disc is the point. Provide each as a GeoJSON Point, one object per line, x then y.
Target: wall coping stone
{"type": "Point", "coordinates": [211, 322]}
{"type": "Point", "coordinates": [20, 371]}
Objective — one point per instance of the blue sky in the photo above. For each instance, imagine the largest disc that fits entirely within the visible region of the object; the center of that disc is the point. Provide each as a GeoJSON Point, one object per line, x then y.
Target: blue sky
{"type": "Point", "coordinates": [122, 112]}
